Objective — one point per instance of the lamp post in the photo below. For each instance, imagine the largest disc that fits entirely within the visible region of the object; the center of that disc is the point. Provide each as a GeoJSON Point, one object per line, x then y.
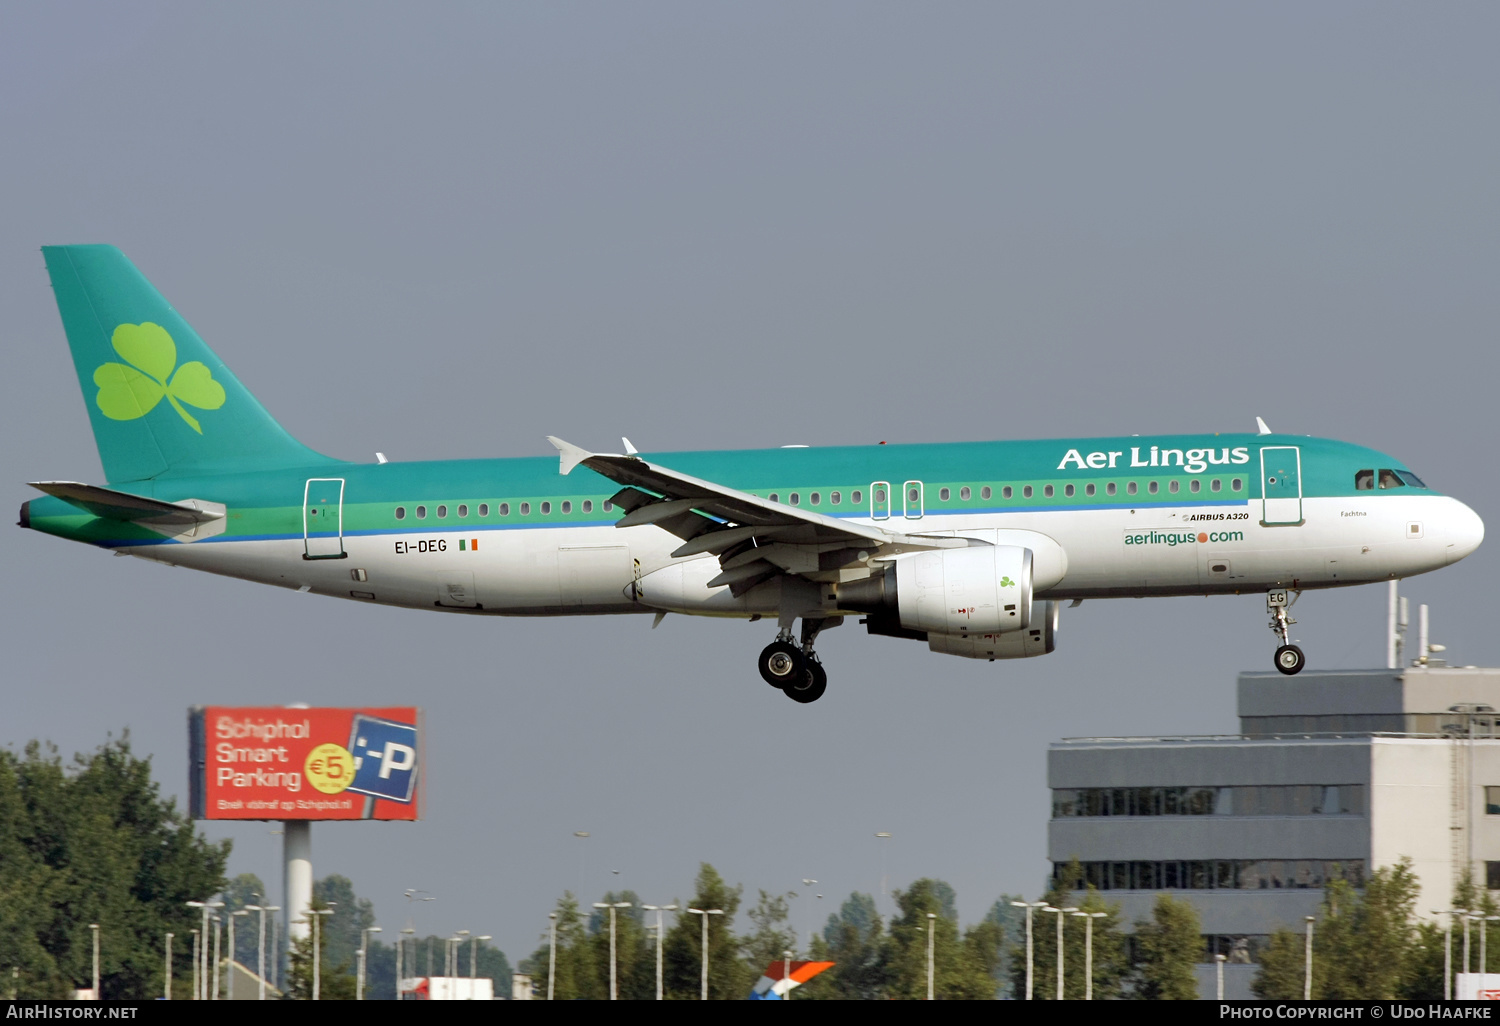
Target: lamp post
{"type": "Point", "coordinates": [316, 915]}
{"type": "Point", "coordinates": [1447, 950]}
{"type": "Point", "coordinates": [612, 905]}
{"type": "Point", "coordinates": [786, 973]}
{"type": "Point", "coordinates": [364, 945]}
{"type": "Point", "coordinates": [1219, 973]}
{"type": "Point", "coordinates": [1307, 961]}
{"type": "Point", "coordinates": [218, 930]}
{"type": "Point", "coordinates": [94, 928]}
{"type": "Point", "coordinates": [200, 950]}
{"type": "Point", "coordinates": [705, 913]}
{"type": "Point", "coordinates": [811, 920]}
{"type": "Point", "coordinates": [1029, 906]}
{"type": "Point", "coordinates": [931, 932]}
{"type": "Point", "coordinates": [552, 952]}
{"type": "Point", "coordinates": [659, 909]}
{"type": "Point", "coordinates": [474, 960]}
{"type": "Point", "coordinates": [260, 946]}
{"type": "Point", "coordinates": [1468, 965]}
{"type": "Point", "coordinates": [401, 940]}
{"type": "Point", "coordinates": [1088, 953]}
{"type": "Point", "coordinates": [167, 994]}
{"type": "Point", "coordinates": [1484, 965]}
{"type": "Point", "coordinates": [1060, 912]}
{"type": "Point", "coordinates": [233, 930]}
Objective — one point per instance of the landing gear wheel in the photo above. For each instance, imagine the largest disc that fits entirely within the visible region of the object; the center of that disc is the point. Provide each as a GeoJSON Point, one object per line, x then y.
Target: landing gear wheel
{"type": "Point", "coordinates": [780, 663]}
{"type": "Point", "coordinates": [1290, 660]}
{"type": "Point", "coordinates": [813, 682]}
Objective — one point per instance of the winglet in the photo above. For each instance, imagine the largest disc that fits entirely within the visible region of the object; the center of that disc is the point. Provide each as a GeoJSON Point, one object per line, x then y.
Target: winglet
{"type": "Point", "coordinates": [1261, 426]}
{"type": "Point", "coordinates": [630, 450]}
{"type": "Point", "coordinates": [569, 455]}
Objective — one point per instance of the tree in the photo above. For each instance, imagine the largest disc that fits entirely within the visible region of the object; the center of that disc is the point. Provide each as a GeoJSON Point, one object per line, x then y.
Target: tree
{"type": "Point", "coordinates": [854, 941]}
{"type": "Point", "coordinates": [1365, 945]}
{"type": "Point", "coordinates": [958, 970]}
{"type": "Point", "coordinates": [1012, 924]}
{"type": "Point", "coordinates": [773, 935]}
{"type": "Point", "coordinates": [94, 842]}
{"type": "Point", "coordinates": [352, 915]}
{"type": "Point", "coordinates": [682, 952]}
{"type": "Point", "coordinates": [335, 979]}
{"type": "Point", "coordinates": [1170, 944]}
{"type": "Point", "coordinates": [574, 968]}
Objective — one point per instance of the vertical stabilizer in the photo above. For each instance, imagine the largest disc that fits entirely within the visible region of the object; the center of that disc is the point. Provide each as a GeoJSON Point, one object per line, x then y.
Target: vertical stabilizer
{"type": "Point", "coordinates": [160, 401]}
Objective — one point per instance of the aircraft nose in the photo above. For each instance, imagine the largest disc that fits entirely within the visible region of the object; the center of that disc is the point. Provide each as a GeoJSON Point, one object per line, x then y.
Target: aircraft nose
{"type": "Point", "coordinates": [1465, 531]}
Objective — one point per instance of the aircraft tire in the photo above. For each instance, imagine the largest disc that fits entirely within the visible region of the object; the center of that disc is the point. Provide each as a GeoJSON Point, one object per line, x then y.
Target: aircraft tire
{"type": "Point", "coordinates": [1290, 660]}
{"type": "Point", "coordinates": [781, 662]}
{"type": "Point", "coordinates": [815, 682]}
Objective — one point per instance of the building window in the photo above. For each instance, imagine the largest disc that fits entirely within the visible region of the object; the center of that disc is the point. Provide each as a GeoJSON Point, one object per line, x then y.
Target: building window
{"type": "Point", "coordinates": [1252, 800]}
{"type": "Point", "coordinates": [1225, 874]}
{"type": "Point", "coordinates": [1492, 876]}
{"type": "Point", "coordinates": [1492, 801]}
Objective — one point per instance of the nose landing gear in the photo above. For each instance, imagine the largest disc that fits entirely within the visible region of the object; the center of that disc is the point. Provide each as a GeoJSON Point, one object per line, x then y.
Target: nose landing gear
{"type": "Point", "coordinates": [1289, 658]}
{"type": "Point", "coordinates": [797, 671]}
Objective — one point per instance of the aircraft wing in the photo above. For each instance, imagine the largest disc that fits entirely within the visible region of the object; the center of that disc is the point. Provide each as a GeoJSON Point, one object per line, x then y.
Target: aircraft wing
{"type": "Point", "coordinates": [116, 505]}
{"type": "Point", "coordinates": [754, 538]}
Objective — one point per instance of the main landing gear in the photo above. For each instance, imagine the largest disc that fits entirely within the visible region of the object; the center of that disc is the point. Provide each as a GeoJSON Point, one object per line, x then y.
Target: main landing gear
{"type": "Point", "coordinates": [797, 671]}
{"type": "Point", "coordinates": [1289, 658]}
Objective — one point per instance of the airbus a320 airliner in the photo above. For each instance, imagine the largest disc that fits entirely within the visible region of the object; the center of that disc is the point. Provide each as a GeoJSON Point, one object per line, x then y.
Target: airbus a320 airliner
{"type": "Point", "coordinates": [971, 547]}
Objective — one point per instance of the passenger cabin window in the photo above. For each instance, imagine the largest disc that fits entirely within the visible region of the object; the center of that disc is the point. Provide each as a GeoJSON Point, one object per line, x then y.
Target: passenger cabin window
{"type": "Point", "coordinates": [484, 509]}
{"type": "Point", "coordinates": [1152, 487]}
{"type": "Point", "coordinates": [1174, 487]}
{"type": "Point", "coordinates": [985, 493]}
{"type": "Point", "coordinates": [835, 498]}
{"type": "Point", "coordinates": [774, 497]}
{"type": "Point", "coordinates": [546, 508]}
{"type": "Point", "coordinates": [1214, 485]}
{"type": "Point", "coordinates": [1130, 488]}
{"type": "Point", "coordinates": [815, 498]}
{"type": "Point", "coordinates": [796, 499]}
{"type": "Point", "coordinates": [943, 494]}
{"type": "Point", "coordinates": [1364, 480]}
{"type": "Point", "coordinates": [588, 505]}
{"type": "Point", "coordinates": [1088, 489]}
{"type": "Point", "coordinates": [1006, 492]}
{"type": "Point", "coordinates": [1195, 485]}
{"type": "Point", "coordinates": [400, 512]}
{"type": "Point", "coordinates": [1026, 492]}
{"type": "Point", "coordinates": [1109, 489]}
{"type": "Point", "coordinates": [1068, 491]}
{"type": "Point", "coordinates": [1388, 479]}
{"type": "Point", "coordinates": [608, 506]}
{"type": "Point", "coordinates": [567, 507]}
{"type": "Point", "coordinates": [463, 510]}
{"type": "Point", "coordinates": [1047, 491]}
{"type": "Point", "coordinates": [442, 512]}
{"type": "Point", "coordinates": [421, 512]}
{"type": "Point", "coordinates": [505, 509]}
{"type": "Point", "coordinates": [856, 497]}
{"type": "Point", "coordinates": [964, 493]}
{"type": "Point", "coordinates": [1236, 484]}
{"type": "Point", "coordinates": [525, 508]}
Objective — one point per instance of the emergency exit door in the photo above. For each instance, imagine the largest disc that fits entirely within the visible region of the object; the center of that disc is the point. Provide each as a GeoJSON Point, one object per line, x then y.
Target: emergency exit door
{"type": "Point", "coordinates": [323, 518]}
{"type": "Point", "coordinates": [1281, 484]}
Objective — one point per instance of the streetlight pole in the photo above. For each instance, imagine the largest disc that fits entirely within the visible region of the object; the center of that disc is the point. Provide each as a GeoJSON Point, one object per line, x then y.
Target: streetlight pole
{"type": "Point", "coordinates": [233, 929]}
{"type": "Point", "coordinates": [1447, 951]}
{"type": "Point", "coordinates": [705, 913]}
{"type": "Point", "coordinates": [659, 909]}
{"type": "Point", "coordinates": [260, 946]}
{"type": "Point", "coordinates": [551, 952]}
{"type": "Point", "coordinates": [200, 950]}
{"type": "Point", "coordinates": [1088, 953]}
{"type": "Point", "coordinates": [197, 939]}
{"type": "Point", "coordinates": [168, 992]}
{"type": "Point", "coordinates": [1468, 966]}
{"type": "Point", "coordinates": [218, 931]}
{"type": "Point", "coordinates": [931, 932]}
{"type": "Point", "coordinates": [474, 960]}
{"type": "Point", "coordinates": [612, 905]}
{"type": "Point", "coordinates": [1060, 912]}
{"type": "Point", "coordinates": [317, 936]}
{"type": "Point", "coordinates": [811, 923]}
{"type": "Point", "coordinates": [364, 945]}
{"type": "Point", "coordinates": [400, 945]}
{"type": "Point", "coordinates": [1307, 961]}
{"type": "Point", "coordinates": [94, 928]}
{"type": "Point", "coordinates": [1029, 906]}
{"type": "Point", "coordinates": [1219, 972]}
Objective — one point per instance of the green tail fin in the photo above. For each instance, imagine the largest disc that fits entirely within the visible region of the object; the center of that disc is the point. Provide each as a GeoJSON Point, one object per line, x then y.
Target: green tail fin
{"type": "Point", "coordinates": [160, 401]}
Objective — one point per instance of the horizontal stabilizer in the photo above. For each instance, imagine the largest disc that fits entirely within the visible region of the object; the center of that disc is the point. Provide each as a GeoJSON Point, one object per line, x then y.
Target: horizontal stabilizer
{"type": "Point", "coordinates": [187, 520]}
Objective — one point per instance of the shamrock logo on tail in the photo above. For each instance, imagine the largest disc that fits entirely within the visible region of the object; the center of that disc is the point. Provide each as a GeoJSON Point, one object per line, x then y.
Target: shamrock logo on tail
{"type": "Point", "coordinates": [1006, 582]}
{"type": "Point", "coordinates": [132, 389]}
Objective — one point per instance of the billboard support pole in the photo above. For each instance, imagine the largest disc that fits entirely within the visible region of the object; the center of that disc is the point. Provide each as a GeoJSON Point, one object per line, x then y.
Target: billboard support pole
{"type": "Point", "coordinates": [297, 848]}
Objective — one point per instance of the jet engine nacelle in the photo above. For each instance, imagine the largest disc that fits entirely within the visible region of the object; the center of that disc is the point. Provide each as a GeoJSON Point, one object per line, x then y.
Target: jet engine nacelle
{"type": "Point", "coordinates": [1037, 639]}
{"type": "Point", "coordinates": [983, 589]}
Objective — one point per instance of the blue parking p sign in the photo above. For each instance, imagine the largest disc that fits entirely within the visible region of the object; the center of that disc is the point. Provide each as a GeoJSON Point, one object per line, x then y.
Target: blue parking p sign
{"type": "Point", "coordinates": [385, 758]}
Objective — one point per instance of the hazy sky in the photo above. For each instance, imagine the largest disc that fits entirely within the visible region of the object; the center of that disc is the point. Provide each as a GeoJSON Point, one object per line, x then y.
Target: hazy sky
{"type": "Point", "coordinates": [443, 230]}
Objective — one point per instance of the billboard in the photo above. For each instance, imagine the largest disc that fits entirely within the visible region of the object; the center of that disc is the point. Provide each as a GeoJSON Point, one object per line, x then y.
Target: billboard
{"type": "Point", "coordinates": [272, 762]}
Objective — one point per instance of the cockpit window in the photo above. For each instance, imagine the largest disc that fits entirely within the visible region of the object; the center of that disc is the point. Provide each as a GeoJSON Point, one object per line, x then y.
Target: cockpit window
{"type": "Point", "coordinates": [1388, 479]}
{"type": "Point", "coordinates": [1364, 480]}
{"type": "Point", "coordinates": [1410, 478]}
